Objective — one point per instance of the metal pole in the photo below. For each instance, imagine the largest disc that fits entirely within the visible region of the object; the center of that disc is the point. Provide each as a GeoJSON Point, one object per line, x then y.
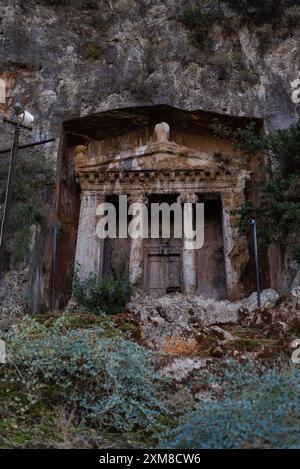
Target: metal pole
{"type": "Point", "coordinates": [255, 248]}
{"type": "Point", "coordinates": [8, 199]}
{"type": "Point", "coordinates": [30, 145]}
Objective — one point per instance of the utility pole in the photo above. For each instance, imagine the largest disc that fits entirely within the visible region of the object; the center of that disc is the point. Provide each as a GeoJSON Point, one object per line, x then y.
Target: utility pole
{"type": "Point", "coordinates": [19, 120]}
{"type": "Point", "coordinates": [255, 249]}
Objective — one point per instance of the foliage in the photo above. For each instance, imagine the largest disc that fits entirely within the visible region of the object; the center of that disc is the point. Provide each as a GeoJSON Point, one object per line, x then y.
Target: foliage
{"type": "Point", "coordinates": [260, 12]}
{"type": "Point", "coordinates": [200, 20]}
{"type": "Point", "coordinates": [222, 65]}
{"type": "Point", "coordinates": [264, 34]}
{"type": "Point", "coordinates": [107, 296]}
{"type": "Point", "coordinates": [260, 408]}
{"type": "Point", "coordinates": [278, 210]}
{"type": "Point", "coordinates": [34, 179]}
{"type": "Point", "coordinates": [262, 16]}
{"type": "Point", "coordinates": [93, 52]}
{"type": "Point", "coordinates": [107, 382]}
{"type": "Point", "coordinates": [249, 139]}
{"type": "Point", "coordinates": [285, 148]}
{"type": "Point", "coordinates": [292, 16]}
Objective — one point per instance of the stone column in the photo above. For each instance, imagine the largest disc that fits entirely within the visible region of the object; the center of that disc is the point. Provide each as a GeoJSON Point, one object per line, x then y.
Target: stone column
{"type": "Point", "coordinates": [235, 247]}
{"type": "Point", "coordinates": [89, 248]}
{"type": "Point", "coordinates": [136, 262]}
{"type": "Point", "coordinates": [188, 255]}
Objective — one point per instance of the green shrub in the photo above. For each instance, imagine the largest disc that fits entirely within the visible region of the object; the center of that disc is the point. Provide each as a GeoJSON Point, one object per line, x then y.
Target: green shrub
{"type": "Point", "coordinates": [278, 209]}
{"type": "Point", "coordinates": [276, 217]}
{"type": "Point", "coordinates": [258, 409]}
{"type": "Point", "coordinates": [262, 15]}
{"type": "Point", "coordinates": [200, 20]}
{"type": "Point", "coordinates": [285, 148]}
{"type": "Point", "coordinates": [107, 382]}
{"type": "Point", "coordinates": [107, 296]}
{"type": "Point", "coordinates": [33, 185]}
{"type": "Point", "coordinates": [93, 52]}
{"type": "Point", "coordinates": [264, 34]}
{"type": "Point", "coordinates": [260, 12]}
{"type": "Point", "coordinates": [222, 65]}
{"type": "Point", "coordinates": [292, 16]}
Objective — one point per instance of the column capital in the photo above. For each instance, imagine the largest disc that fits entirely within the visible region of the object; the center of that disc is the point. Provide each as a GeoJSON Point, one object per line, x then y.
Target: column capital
{"type": "Point", "coordinates": [188, 197]}
{"type": "Point", "coordinates": [91, 197]}
{"type": "Point", "coordinates": [138, 199]}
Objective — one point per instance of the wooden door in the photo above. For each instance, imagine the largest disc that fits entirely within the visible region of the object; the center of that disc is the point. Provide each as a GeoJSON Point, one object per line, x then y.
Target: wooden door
{"type": "Point", "coordinates": [174, 273]}
{"type": "Point", "coordinates": [164, 274]}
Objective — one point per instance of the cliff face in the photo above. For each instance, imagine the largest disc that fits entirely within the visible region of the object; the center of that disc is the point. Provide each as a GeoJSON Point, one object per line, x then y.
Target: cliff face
{"type": "Point", "coordinates": [70, 59]}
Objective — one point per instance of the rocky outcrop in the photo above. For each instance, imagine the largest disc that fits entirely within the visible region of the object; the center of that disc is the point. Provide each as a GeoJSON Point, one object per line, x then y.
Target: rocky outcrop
{"type": "Point", "coordinates": [187, 325]}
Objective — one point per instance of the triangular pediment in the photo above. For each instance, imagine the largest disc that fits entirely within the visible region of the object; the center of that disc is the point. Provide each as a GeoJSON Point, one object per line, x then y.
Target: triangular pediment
{"type": "Point", "coordinates": [159, 155]}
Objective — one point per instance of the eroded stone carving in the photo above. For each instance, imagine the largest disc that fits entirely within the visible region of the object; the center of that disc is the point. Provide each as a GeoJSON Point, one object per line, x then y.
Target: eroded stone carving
{"type": "Point", "coordinates": [160, 169]}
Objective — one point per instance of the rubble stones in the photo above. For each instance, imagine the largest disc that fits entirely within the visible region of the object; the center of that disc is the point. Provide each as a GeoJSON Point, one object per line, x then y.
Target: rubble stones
{"type": "Point", "coordinates": [187, 325]}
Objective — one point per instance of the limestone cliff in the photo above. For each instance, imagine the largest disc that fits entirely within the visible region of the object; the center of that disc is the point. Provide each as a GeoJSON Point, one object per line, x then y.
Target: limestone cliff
{"type": "Point", "coordinates": [66, 59]}
{"type": "Point", "coordinates": [69, 59]}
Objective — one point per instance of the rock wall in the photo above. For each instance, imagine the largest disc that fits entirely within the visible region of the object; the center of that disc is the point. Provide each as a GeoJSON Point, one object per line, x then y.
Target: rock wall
{"type": "Point", "coordinates": [66, 61]}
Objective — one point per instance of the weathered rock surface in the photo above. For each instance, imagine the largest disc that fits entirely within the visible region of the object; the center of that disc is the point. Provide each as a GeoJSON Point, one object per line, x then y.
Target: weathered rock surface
{"type": "Point", "coordinates": [281, 319]}
{"type": "Point", "coordinates": [183, 324]}
{"type": "Point", "coordinates": [180, 368]}
{"type": "Point", "coordinates": [70, 59]}
{"type": "Point", "coordinates": [11, 298]}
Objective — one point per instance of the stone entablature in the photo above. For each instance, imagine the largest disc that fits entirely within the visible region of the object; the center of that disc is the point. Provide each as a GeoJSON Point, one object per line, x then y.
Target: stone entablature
{"type": "Point", "coordinates": [119, 181]}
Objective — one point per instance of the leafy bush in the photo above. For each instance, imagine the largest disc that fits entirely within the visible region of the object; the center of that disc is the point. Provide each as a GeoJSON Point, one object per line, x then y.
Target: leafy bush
{"type": "Point", "coordinates": [292, 16]}
{"type": "Point", "coordinates": [262, 15]}
{"type": "Point", "coordinates": [259, 409]}
{"type": "Point", "coordinates": [108, 382]}
{"type": "Point", "coordinates": [260, 12]}
{"type": "Point", "coordinates": [264, 33]}
{"type": "Point", "coordinates": [278, 210]}
{"type": "Point", "coordinates": [200, 20]}
{"type": "Point", "coordinates": [222, 65]}
{"type": "Point", "coordinates": [107, 296]}
{"type": "Point", "coordinates": [93, 52]}
{"type": "Point", "coordinates": [285, 148]}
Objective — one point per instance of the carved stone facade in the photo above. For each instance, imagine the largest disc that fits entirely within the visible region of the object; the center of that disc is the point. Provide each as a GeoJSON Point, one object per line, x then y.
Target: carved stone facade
{"type": "Point", "coordinates": [179, 159]}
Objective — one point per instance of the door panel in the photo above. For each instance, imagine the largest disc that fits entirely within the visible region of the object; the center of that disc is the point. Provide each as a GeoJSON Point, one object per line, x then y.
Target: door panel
{"type": "Point", "coordinates": [164, 274]}
{"type": "Point", "coordinates": [174, 273]}
{"type": "Point", "coordinates": [156, 275]}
